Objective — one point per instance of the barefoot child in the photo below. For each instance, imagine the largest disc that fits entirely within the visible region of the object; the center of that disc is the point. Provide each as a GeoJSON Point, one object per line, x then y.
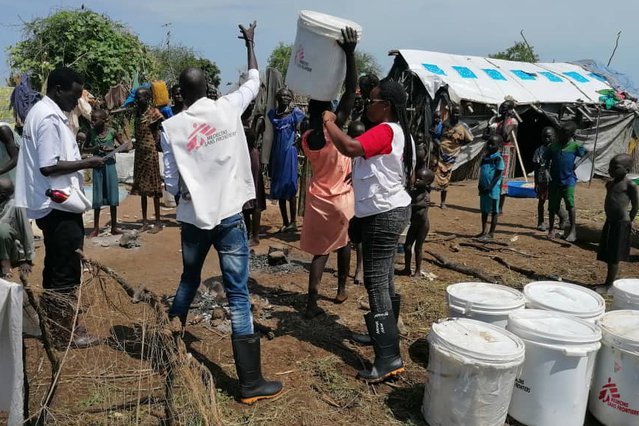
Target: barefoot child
{"type": "Point", "coordinates": [542, 178]}
{"type": "Point", "coordinates": [419, 224]}
{"type": "Point", "coordinates": [542, 175]}
{"type": "Point", "coordinates": [101, 141]}
{"type": "Point", "coordinates": [621, 193]}
{"type": "Point", "coordinates": [561, 156]}
{"type": "Point", "coordinates": [492, 166]}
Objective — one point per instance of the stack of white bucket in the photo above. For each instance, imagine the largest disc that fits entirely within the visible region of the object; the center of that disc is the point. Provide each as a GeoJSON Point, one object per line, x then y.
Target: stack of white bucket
{"type": "Point", "coordinates": [562, 333]}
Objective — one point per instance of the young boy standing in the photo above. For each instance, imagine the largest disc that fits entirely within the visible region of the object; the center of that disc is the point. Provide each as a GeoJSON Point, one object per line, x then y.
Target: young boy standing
{"type": "Point", "coordinates": [492, 166]}
{"type": "Point", "coordinates": [562, 156]}
{"type": "Point", "coordinates": [419, 224]}
{"type": "Point", "coordinates": [542, 175]}
{"type": "Point", "coordinates": [621, 193]}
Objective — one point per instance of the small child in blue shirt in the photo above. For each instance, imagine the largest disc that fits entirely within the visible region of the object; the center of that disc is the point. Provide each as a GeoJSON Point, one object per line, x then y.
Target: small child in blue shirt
{"type": "Point", "coordinates": [492, 166]}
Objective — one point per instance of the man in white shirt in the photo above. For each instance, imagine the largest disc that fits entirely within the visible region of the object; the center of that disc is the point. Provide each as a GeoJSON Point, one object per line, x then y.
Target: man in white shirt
{"type": "Point", "coordinates": [207, 163]}
{"type": "Point", "coordinates": [50, 159]}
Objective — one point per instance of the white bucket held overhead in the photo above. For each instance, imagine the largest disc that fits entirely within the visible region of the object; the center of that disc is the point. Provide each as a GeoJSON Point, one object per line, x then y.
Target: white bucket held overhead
{"type": "Point", "coordinates": [552, 388]}
{"type": "Point", "coordinates": [471, 372]}
{"type": "Point", "coordinates": [563, 297]}
{"type": "Point", "coordinates": [614, 397]}
{"type": "Point", "coordinates": [625, 294]}
{"type": "Point", "coordinates": [318, 65]}
{"type": "Point", "coordinates": [485, 302]}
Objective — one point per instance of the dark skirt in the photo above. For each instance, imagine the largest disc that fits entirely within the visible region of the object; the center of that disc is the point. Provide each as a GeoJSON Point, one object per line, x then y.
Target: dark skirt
{"type": "Point", "coordinates": [614, 246]}
{"type": "Point", "coordinates": [105, 186]}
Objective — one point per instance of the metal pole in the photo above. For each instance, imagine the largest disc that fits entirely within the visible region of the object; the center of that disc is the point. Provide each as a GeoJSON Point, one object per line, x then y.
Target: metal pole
{"type": "Point", "coordinates": [594, 150]}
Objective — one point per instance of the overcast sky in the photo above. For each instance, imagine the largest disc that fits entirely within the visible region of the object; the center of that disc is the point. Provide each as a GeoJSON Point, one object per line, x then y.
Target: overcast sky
{"type": "Point", "coordinates": [560, 30]}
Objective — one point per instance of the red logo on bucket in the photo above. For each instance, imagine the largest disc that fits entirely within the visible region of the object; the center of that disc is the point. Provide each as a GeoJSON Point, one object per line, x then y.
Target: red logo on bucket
{"type": "Point", "coordinates": [610, 395]}
{"type": "Point", "coordinates": [609, 391]}
{"type": "Point", "coordinates": [199, 136]}
{"type": "Point", "coordinates": [299, 60]}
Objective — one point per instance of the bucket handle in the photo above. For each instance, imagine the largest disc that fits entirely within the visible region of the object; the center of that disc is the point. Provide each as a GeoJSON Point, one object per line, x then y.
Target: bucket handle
{"type": "Point", "coordinates": [576, 352]}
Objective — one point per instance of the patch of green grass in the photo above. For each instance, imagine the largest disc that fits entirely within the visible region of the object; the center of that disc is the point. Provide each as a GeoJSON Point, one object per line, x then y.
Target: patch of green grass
{"type": "Point", "coordinates": [98, 397]}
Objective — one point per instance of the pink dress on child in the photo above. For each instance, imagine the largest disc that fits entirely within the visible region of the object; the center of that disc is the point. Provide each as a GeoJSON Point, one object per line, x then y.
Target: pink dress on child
{"type": "Point", "coordinates": [329, 200]}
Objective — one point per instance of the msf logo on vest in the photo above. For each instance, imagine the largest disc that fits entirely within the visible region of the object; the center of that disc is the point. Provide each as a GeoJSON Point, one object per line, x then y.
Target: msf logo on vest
{"type": "Point", "coordinates": [200, 136]}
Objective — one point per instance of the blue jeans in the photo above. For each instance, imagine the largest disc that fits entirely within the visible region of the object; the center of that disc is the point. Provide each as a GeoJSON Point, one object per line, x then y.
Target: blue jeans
{"type": "Point", "coordinates": [379, 235]}
{"type": "Point", "coordinates": [229, 239]}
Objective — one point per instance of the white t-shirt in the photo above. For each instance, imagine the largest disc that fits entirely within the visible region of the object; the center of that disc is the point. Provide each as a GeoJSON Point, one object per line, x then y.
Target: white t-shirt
{"type": "Point", "coordinates": [46, 140]}
{"type": "Point", "coordinates": [206, 147]}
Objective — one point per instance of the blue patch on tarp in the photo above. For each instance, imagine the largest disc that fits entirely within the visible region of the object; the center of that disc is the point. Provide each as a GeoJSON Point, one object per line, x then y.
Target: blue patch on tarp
{"type": "Point", "coordinates": [523, 75]}
{"type": "Point", "coordinates": [598, 77]}
{"type": "Point", "coordinates": [494, 74]}
{"type": "Point", "coordinates": [552, 77]}
{"type": "Point", "coordinates": [464, 72]}
{"type": "Point", "coordinates": [576, 76]}
{"type": "Point", "coordinates": [434, 69]}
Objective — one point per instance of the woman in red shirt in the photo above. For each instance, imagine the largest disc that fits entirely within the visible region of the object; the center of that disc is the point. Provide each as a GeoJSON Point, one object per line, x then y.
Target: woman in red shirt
{"type": "Point", "coordinates": [382, 169]}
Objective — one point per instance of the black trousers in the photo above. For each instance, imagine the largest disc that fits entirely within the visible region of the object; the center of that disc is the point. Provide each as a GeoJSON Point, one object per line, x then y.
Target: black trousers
{"type": "Point", "coordinates": [63, 234]}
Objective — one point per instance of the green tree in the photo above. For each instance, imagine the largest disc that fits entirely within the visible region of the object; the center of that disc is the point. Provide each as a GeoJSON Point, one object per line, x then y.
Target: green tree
{"type": "Point", "coordinates": [170, 61]}
{"type": "Point", "coordinates": [105, 52]}
{"type": "Point", "coordinates": [519, 51]}
{"type": "Point", "coordinates": [366, 63]}
{"type": "Point", "coordinates": [280, 56]}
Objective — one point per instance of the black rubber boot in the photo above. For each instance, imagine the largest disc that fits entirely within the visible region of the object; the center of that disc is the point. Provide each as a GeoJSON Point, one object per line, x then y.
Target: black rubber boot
{"type": "Point", "coordinates": [388, 362]}
{"type": "Point", "coordinates": [246, 351]}
{"type": "Point", "coordinates": [363, 338]}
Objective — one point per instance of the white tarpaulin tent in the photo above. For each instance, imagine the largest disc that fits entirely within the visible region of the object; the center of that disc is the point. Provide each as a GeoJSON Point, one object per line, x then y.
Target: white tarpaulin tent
{"type": "Point", "coordinates": [488, 81]}
{"type": "Point", "coordinates": [542, 88]}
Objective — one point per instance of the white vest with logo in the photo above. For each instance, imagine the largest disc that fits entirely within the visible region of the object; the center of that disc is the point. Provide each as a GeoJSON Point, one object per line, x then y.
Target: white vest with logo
{"type": "Point", "coordinates": [212, 156]}
{"type": "Point", "coordinates": [378, 182]}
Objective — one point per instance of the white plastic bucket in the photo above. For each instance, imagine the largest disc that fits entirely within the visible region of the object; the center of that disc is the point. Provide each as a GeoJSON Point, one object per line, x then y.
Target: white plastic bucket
{"type": "Point", "coordinates": [614, 398]}
{"type": "Point", "coordinates": [471, 372]}
{"type": "Point", "coordinates": [317, 66]}
{"type": "Point", "coordinates": [563, 297]}
{"type": "Point", "coordinates": [485, 302]}
{"type": "Point", "coordinates": [553, 386]}
{"type": "Point", "coordinates": [625, 294]}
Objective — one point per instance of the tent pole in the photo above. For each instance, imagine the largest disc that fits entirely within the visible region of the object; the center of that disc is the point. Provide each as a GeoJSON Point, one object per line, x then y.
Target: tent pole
{"type": "Point", "coordinates": [594, 149]}
{"type": "Point", "coordinates": [521, 160]}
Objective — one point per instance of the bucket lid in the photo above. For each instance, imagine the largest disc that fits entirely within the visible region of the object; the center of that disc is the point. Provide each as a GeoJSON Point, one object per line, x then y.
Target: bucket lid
{"type": "Point", "coordinates": [477, 340]}
{"type": "Point", "coordinates": [564, 297]}
{"type": "Point", "coordinates": [552, 327]}
{"type": "Point", "coordinates": [621, 328]}
{"type": "Point", "coordinates": [484, 296]}
{"type": "Point", "coordinates": [629, 287]}
{"type": "Point", "coordinates": [327, 24]}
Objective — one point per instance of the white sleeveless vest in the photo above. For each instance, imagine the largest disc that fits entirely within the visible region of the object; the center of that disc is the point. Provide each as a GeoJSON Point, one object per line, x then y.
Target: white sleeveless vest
{"type": "Point", "coordinates": [378, 182]}
{"type": "Point", "coordinates": [212, 156]}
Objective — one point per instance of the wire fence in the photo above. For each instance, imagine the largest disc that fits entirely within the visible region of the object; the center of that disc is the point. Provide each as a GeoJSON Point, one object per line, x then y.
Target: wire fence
{"type": "Point", "coordinates": [139, 373]}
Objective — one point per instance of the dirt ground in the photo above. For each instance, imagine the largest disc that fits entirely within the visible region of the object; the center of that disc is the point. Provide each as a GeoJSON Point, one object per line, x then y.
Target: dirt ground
{"type": "Point", "coordinates": [313, 358]}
